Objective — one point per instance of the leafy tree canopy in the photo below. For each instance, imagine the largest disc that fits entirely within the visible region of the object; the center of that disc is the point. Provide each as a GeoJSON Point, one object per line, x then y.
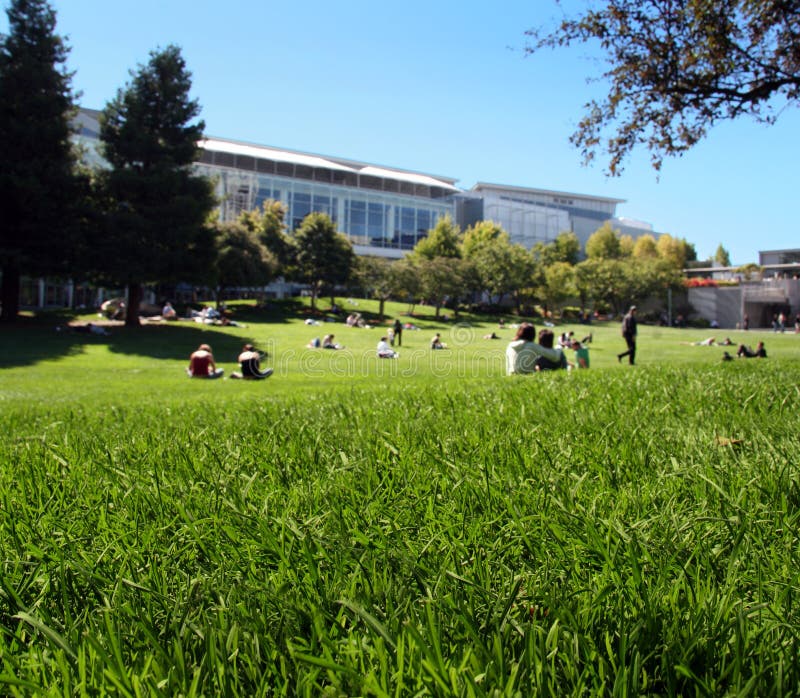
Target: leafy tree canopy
{"type": "Point", "coordinates": [674, 250]}
{"type": "Point", "coordinates": [269, 224]}
{"type": "Point", "coordinates": [482, 235]}
{"type": "Point", "coordinates": [565, 248]}
{"type": "Point", "coordinates": [241, 259]}
{"type": "Point", "coordinates": [604, 243]}
{"type": "Point", "coordinates": [675, 68]}
{"type": "Point", "coordinates": [559, 283]}
{"type": "Point", "coordinates": [645, 247]}
{"type": "Point", "coordinates": [626, 245]}
{"type": "Point", "coordinates": [381, 279]}
{"type": "Point", "coordinates": [441, 280]}
{"type": "Point", "coordinates": [323, 256]}
{"type": "Point", "coordinates": [442, 241]}
{"type": "Point", "coordinates": [496, 266]}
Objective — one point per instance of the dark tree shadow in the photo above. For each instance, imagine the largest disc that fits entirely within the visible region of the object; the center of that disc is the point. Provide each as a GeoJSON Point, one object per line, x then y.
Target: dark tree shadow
{"type": "Point", "coordinates": [48, 336]}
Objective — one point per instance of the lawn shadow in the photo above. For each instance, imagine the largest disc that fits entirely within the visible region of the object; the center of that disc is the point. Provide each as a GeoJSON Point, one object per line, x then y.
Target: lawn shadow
{"type": "Point", "coordinates": [49, 336]}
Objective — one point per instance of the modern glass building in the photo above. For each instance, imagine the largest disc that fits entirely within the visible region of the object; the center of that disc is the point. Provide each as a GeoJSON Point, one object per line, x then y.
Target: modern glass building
{"type": "Point", "coordinates": [539, 215]}
{"type": "Point", "coordinates": [384, 211]}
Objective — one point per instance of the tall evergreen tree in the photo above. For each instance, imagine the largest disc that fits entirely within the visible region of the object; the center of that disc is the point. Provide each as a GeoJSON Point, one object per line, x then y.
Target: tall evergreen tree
{"type": "Point", "coordinates": [37, 160]}
{"type": "Point", "coordinates": [722, 257]}
{"type": "Point", "coordinates": [155, 227]}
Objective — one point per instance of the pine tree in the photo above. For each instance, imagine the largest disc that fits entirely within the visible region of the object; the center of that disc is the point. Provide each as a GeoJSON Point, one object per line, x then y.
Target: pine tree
{"type": "Point", "coordinates": [156, 226]}
{"type": "Point", "coordinates": [37, 159]}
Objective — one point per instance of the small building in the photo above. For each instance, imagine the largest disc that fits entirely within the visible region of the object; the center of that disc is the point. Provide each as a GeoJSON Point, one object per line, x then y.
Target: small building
{"type": "Point", "coordinates": [730, 294]}
{"type": "Point", "coordinates": [539, 215]}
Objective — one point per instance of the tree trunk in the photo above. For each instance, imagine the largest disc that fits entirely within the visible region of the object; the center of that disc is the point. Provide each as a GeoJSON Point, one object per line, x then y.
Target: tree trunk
{"type": "Point", "coordinates": [9, 293]}
{"type": "Point", "coordinates": [380, 308]}
{"type": "Point", "coordinates": [132, 309]}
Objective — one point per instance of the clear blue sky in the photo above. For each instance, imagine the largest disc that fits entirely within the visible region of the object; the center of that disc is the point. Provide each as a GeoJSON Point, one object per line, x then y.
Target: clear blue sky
{"type": "Point", "coordinates": [442, 87]}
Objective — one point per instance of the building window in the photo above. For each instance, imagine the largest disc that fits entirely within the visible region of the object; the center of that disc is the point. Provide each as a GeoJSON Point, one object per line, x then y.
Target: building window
{"type": "Point", "coordinates": [357, 221]}
{"type": "Point", "coordinates": [299, 207]}
{"type": "Point", "coordinates": [376, 223]}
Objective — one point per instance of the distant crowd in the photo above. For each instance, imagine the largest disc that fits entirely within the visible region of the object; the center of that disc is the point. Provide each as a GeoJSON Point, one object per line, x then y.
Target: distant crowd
{"type": "Point", "coordinates": [529, 351]}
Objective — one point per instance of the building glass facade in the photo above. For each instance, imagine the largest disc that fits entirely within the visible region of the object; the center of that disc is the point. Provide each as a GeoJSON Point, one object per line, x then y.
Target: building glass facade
{"type": "Point", "coordinates": [375, 212]}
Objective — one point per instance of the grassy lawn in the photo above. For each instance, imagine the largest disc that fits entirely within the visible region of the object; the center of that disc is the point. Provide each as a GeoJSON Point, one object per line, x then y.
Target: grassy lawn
{"type": "Point", "coordinates": [425, 526]}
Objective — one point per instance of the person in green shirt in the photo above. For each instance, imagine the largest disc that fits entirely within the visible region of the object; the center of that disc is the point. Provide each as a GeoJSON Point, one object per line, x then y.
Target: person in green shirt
{"type": "Point", "coordinates": [581, 355]}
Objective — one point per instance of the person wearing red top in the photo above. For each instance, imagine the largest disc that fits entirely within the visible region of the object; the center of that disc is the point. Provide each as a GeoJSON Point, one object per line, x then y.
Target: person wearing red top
{"type": "Point", "coordinates": [201, 364]}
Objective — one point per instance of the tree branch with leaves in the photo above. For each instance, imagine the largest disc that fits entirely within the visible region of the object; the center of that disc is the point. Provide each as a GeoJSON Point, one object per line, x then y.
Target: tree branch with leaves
{"type": "Point", "coordinates": [677, 67]}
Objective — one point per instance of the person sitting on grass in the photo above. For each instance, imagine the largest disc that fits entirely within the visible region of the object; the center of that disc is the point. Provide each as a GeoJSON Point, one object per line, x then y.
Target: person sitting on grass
{"type": "Point", "coordinates": [746, 352]}
{"type": "Point", "coordinates": [436, 342]}
{"type": "Point", "coordinates": [168, 312]}
{"type": "Point", "coordinates": [523, 352]}
{"type": "Point", "coordinates": [328, 343]}
{"type": "Point", "coordinates": [544, 363]}
{"type": "Point", "coordinates": [250, 364]}
{"type": "Point", "coordinates": [201, 364]}
{"type": "Point", "coordinates": [565, 340]}
{"type": "Point", "coordinates": [114, 308]}
{"type": "Point", "coordinates": [581, 355]}
{"type": "Point", "coordinates": [384, 349]}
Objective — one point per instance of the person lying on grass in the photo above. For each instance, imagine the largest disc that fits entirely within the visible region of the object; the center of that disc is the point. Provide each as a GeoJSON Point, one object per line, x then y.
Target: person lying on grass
{"type": "Point", "coordinates": [201, 364]}
{"type": "Point", "coordinates": [250, 365]}
{"type": "Point", "coordinates": [703, 343]}
{"type": "Point", "coordinates": [760, 352]}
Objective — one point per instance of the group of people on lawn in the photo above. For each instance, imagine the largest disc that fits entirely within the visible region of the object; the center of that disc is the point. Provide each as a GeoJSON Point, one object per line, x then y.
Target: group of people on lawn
{"type": "Point", "coordinates": [529, 353]}
{"type": "Point", "coordinates": [526, 353]}
{"type": "Point", "coordinates": [202, 364]}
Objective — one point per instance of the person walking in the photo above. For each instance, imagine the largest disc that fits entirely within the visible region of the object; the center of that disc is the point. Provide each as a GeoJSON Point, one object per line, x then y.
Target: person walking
{"type": "Point", "coordinates": [398, 332]}
{"type": "Point", "coordinates": [629, 335]}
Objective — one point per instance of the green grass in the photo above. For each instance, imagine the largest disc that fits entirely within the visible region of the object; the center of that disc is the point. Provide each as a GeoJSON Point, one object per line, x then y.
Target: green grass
{"type": "Point", "coordinates": [420, 527]}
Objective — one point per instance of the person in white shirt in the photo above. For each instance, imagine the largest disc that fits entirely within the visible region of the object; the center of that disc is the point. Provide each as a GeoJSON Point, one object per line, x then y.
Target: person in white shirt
{"type": "Point", "coordinates": [524, 354]}
{"type": "Point", "coordinates": [385, 350]}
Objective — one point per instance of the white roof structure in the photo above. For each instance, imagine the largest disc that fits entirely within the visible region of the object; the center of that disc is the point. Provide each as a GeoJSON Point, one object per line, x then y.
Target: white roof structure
{"type": "Point", "coordinates": [480, 186]}
{"type": "Point", "coordinates": [406, 177]}
{"type": "Point", "coordinates": [266, 153]}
